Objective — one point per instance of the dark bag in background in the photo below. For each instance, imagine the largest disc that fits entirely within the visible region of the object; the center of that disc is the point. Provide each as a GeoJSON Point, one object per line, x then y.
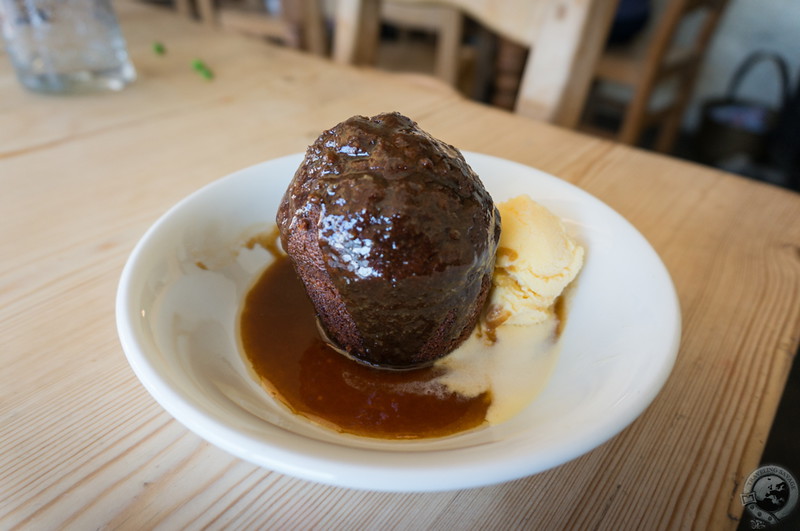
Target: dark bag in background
{"type": "Point", "coordinates": [784, 149]}
{"type": "Point", "coordinates": [731, 126]}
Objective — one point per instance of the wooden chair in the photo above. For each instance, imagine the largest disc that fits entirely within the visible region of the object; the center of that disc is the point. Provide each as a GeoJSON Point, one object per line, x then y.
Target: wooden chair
{"type": "Point", "coordinates": [662, 54]}
{"type": "Point", "coordinates": [300, 23]}
{"type": "Point", "coordinates": [566, 37]}
{"type": "Point", "coordinates": [444, 21]}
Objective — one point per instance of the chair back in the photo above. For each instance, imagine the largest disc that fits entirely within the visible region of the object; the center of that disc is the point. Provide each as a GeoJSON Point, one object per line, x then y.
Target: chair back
{"type": "Point", "coordinates": [565, 37]}
{"type": "Point", "coordinates": [674, 46]}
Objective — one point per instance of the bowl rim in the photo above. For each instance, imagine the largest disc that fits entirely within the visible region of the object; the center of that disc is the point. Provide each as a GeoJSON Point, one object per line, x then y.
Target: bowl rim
{"type": "Point", "coordinates": [362, 468]}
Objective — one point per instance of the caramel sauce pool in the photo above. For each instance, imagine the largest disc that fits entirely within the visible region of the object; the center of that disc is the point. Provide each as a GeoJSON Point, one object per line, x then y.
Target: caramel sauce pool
{"type": "Point", "coordinates": [280, 339]}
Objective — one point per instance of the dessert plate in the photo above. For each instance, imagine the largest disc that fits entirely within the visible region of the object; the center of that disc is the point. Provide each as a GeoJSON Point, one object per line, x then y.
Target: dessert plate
{"type": "Point", "coordinates": [182, 287]}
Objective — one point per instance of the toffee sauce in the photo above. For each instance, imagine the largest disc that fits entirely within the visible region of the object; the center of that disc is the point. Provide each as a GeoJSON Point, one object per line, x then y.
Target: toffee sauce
{"type": "Point", "coordinates": [280, 339]}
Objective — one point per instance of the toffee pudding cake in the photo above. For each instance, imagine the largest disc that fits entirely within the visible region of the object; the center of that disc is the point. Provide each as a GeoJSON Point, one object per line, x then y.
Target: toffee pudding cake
{"type": "Point", "coordinates": [394, 238]}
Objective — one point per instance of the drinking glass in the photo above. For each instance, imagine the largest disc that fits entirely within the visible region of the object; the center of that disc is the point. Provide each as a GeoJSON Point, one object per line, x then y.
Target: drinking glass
{"type": "Point", "coordinates": [65, 46]}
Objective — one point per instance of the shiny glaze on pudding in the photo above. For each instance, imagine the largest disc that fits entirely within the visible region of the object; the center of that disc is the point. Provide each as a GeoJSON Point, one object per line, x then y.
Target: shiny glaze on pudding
{"type": "Point", "coordinates": [394, 237]}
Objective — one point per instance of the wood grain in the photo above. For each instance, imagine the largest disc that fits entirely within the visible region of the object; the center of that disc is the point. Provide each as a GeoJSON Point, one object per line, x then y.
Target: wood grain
{"type": "Point", "coordinates": [81, 179]}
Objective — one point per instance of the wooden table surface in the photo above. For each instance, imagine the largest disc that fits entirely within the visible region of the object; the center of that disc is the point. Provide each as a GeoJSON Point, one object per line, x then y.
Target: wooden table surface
{"type": "Point", "coordinates": [83, 445]}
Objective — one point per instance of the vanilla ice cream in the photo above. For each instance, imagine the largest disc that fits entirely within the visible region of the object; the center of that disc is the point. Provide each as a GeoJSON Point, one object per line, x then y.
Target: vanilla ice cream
{"type": "Point", "coordinates": [536, 260]}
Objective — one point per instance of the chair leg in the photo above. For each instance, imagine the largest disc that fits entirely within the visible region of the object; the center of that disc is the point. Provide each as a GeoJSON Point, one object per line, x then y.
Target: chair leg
{"type": "Point", "coordinates": [357, 46]}
{"type": "Point", "coordinates": [205, 9]}
{"type": "Point", "coordinates": [669, 129]}
{"type": "Point", "coordinates": [314, 27]}
{"type": "Point", "coordinates": [634, 119]}
{"type": "Point", "coordinates": [449, 44]}
{"type": "Point", "coordinates": [184, 8]}
{"type": "Point", "coordinates": [306, 25]}
{"type": "Point", "coordinates": [510, 63]}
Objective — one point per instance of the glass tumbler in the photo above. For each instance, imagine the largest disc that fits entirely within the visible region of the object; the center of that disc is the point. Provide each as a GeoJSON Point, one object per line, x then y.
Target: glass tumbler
{"type": "Point", "coordinates": [65, 46]}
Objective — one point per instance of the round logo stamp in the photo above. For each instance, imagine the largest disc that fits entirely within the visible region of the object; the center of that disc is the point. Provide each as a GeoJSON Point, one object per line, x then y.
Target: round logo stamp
{"type": "Point", "coordinates": [770, 494]}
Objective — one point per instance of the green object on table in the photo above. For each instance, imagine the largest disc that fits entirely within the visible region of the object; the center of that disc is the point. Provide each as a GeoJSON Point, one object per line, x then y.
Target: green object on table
{"type": "Point", "coordinates": [159, 48]}
{"type": "Point", "coordinates": [202, 69]}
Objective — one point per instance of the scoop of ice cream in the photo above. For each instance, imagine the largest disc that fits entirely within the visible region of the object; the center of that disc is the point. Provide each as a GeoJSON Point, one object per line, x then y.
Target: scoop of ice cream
{"type": "Point", "coordinates": [536, 260]}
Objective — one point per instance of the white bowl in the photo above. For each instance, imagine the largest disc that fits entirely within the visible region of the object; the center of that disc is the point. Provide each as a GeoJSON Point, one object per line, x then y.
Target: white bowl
{"type": "Point", "coordinates": [181, 290]}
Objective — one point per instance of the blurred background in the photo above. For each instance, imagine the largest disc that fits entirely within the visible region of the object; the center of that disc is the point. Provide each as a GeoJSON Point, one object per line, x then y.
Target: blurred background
{"type": "Point", "coordinates": [712, 81]}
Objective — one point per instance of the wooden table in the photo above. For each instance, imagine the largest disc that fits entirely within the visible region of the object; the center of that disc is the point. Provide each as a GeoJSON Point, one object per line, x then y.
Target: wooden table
{"type": "Point", "coordinates": [82, 177]}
